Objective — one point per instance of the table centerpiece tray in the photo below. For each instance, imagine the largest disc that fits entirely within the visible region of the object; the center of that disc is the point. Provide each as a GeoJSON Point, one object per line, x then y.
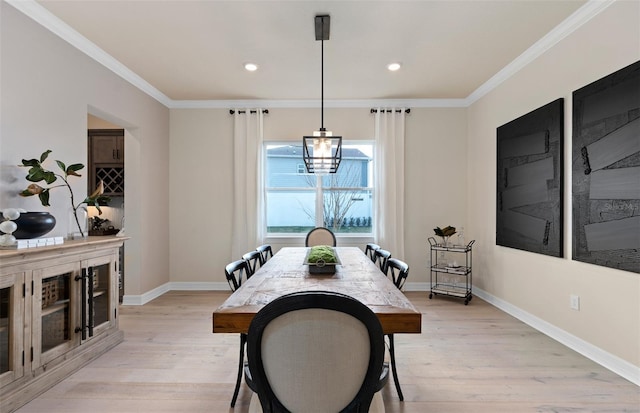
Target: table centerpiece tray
{"type": "Point", "coordinates": [322, 259]}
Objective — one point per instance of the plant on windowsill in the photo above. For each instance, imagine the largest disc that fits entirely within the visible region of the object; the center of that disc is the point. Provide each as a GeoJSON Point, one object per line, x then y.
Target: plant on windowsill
{"type": "Point", "coordinates": [38, 173]}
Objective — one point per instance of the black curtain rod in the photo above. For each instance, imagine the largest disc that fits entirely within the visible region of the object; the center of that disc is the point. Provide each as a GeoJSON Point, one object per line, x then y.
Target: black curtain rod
{"type": "Point", "coordinates": [390, 110]}
{"type": "Point", "coordinates": [231, 111]}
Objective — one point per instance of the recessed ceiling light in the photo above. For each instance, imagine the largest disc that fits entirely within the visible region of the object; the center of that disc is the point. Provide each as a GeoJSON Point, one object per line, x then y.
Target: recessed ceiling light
{"type": "Point", "coordinates": [393, 67]}
{"type": "Point", "coordinates": [251, 67]}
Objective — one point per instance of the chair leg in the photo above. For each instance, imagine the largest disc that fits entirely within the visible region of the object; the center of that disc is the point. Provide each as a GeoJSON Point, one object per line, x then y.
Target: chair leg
{"type": "Point", "coordinates": [243, 340]}
{"type": "Point", "coordinates": [392, 354]}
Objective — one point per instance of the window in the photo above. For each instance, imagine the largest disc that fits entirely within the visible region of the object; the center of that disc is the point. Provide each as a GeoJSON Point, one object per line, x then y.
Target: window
{"type": "Point", "coordinates": [297, 201]}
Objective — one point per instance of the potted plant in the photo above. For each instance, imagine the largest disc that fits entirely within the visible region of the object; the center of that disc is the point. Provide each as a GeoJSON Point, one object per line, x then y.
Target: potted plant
{"type": "Point", "coordinates": [37, 173]}
{"type": "Point", "coordinates": [445, 233]}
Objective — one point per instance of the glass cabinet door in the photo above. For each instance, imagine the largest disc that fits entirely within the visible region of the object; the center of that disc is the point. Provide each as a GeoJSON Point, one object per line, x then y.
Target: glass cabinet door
{"type": "Point", "coordinates": [11, 331]}
{"type": "Point", "coordinates": [100, 293]}
{"type": "Point", "coordinates": [54, 312]}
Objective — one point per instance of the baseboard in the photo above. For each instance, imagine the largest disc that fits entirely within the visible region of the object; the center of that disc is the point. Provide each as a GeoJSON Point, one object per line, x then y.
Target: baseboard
{"type": "Point", "coordinates": [146, 297]}
{"type": "Point", "coordinates": [607, 360]}
{"type": "Point", "coordinates": [173, 286]}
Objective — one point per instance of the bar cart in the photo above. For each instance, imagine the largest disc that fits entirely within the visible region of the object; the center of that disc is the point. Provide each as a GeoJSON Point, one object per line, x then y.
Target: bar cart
{"type": "Point", "coordinates": [451, 278]}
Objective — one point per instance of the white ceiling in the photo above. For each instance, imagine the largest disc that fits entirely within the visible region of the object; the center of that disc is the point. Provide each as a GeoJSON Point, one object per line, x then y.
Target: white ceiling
{"type": "Point", "coordinates": [195, 50]}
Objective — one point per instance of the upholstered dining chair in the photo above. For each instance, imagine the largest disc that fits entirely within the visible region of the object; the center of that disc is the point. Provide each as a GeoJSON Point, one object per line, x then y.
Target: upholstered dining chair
{"type": "Point", "coordinates": [381, 258]}
{"type": "Point", "coordinates": [398, 271]}
{"type": "Point", "coordinates": [265, 252]}
{"type": "Point", "coordinates": [235, 272]}
{"type": "Point", "coordinates": [315, 352]}
{"type": "Point", "coordinates": [254, 261]}
{"type": "Point", "coordinates": [320, 236]}
{"type": "Point", "coordinates": [370, 250]}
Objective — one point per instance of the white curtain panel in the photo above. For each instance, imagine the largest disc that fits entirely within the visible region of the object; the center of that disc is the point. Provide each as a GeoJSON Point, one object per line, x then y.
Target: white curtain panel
{"type": "Point", "coordinates": [389, 178]}
{"type": "Point", "coordinates": [248, 193]}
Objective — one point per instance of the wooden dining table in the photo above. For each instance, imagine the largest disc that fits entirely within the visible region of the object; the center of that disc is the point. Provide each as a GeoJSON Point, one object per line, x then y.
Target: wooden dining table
{"type": "Point", "coordinates": [356, 276]}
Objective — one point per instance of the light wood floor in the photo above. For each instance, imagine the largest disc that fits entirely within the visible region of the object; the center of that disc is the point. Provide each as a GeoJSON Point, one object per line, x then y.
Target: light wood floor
{"type": "Point", "coordinates": [471, 358]}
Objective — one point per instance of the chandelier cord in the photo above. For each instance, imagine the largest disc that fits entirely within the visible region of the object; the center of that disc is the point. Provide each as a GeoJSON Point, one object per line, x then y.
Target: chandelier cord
{"type": "Point", "coordinates": [322, 83]}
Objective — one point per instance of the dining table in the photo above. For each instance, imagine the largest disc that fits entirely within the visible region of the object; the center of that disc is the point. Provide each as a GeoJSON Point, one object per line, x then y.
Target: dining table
{"type": "Point", "coordinates": [286, 272]}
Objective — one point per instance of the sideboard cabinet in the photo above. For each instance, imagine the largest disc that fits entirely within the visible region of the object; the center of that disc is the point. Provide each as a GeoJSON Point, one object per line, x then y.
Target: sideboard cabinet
{"type": "Point", "coordinates": [58, 311]}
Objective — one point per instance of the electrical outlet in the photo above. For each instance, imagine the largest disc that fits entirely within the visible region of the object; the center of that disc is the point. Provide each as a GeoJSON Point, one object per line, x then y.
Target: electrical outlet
{"type": "Point", "coordinates": [574, 302]}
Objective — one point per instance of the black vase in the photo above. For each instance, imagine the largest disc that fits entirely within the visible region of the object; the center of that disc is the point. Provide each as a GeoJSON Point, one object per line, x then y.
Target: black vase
{"type": "Point", "coordinates": [33, 224]}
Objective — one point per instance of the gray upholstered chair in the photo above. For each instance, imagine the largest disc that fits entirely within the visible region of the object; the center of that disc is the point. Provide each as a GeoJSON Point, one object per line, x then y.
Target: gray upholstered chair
{"type": "Point", "coordinates": [320, 236]}
{"type": "Point", "coordinates": [315, 352]}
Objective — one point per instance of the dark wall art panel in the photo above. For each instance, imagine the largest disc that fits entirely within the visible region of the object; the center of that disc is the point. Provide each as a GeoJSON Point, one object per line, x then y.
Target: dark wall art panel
{"type": "Point", "coordinates": [606, 171]}
{"type": "Point", "coordinates": [529, 181]}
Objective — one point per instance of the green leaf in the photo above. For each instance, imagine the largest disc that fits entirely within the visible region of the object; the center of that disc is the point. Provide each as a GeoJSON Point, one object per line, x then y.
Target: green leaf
{"type": "Point", "coordinates": [36, 175]}
{"type": "Point", "coordinates": [26, 193]}
{"type": "Point", "coordinates": [45, 155]}
{"type": "Point", "coordinates": [100, 200]}
{"type": "Point", "coordinates": [61, 165]}
{"type": "Point", "coordinates": [49, 177]}
{"type": "Point", "coordinates": [35, 169]}
{"type": "Point", "coordinates": [30, 162]}
{"type": "Point", "coordinates": [71, 170]}
{"type": "Point", "coordinates": [75, 167]}
{"type": "Point", "coordinates": [44, 197]}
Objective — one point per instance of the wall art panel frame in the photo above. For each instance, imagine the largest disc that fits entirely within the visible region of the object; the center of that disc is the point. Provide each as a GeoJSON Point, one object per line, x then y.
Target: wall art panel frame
{"type": "Point", "coordinates": [529, 205]}
{"type": "Point", "coordinates": [606, 171]}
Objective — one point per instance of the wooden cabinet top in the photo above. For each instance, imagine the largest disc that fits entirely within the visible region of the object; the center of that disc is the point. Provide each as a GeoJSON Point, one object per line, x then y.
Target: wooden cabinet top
{"type": "Point", "coordinates": [13, 255]}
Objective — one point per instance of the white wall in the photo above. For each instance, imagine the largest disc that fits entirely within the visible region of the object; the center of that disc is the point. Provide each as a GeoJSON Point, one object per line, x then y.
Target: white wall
{"type": "Point", "coordinates": [202, 156]}
{"type": "Point", "coordinates": [48, 88]}
{"type": "Point", "coordinates": [609, 315]}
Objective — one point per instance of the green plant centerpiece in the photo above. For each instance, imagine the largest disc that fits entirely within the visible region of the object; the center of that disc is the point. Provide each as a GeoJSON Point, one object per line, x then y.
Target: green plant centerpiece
{"type": "Point", "coordinates": [322, 259]}
{"type": "Point", "coordinates": [322, 254]}
{"type": "Point", "coordinates": [37, 173]}
{"type": "Point", "coordinates": [445, 233]}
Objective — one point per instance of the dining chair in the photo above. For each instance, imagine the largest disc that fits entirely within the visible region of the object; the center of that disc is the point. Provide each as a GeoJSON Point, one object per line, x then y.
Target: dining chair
{"type": "Point", "coordinates": [399, 271]}
{"type": "Point", "coordinates": [235, 272]}
{"type": "Point", "coordinates": [254, 261]}
{"type": "Point", "coordinates": [381, 258]}
{"type": "Point", "coordinates": [265, 253]}
{"type": "Point", "coordinates": [313, 352]}
{"type": "Point", "coordinates": [371, 249]}
{"type": "Point", "coordinates": [320, 236]}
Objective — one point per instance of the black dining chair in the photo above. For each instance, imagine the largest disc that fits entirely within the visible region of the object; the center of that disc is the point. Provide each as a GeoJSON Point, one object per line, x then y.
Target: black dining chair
{"type": "Point", "coordinates": [254, 261]}
{"type": "Point", "coordinates": [341, 367]}
{"type": "Point", "coordinates": [265, 252]}
{"type": "Point", "coordinates": [381, 258]}
{"type": "Point", "coordinates": [398, 271]}
{"type": "Point", "coordinates": [320, 236]}
{"type": "Point", "coordinates": [370, 250]}
{"type": "Point", "coordinates": [235, 272]}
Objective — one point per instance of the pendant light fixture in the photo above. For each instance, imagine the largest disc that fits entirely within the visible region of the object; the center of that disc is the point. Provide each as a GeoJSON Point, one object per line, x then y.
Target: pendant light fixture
{"type": "Point", "coordinates": [322, 152]}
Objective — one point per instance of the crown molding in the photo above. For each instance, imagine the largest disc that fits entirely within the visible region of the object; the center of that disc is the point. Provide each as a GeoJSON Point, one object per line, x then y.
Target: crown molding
{"type": "Point", "coordinates": [46, 19]}
{"type": "Point", "coordinates": [312, 103]}
{"type": "Point", "coordinates": [61, 29]}
{"type": "Point", "coordinates": [565, 28]}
